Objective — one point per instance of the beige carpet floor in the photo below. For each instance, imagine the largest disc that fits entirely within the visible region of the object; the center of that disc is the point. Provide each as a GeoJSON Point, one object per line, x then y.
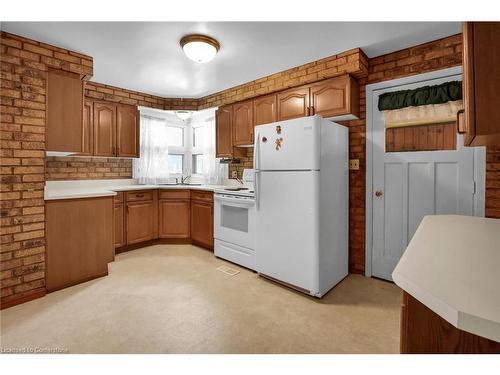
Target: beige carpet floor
{"type": "Point", "coordinates": [172, 299]}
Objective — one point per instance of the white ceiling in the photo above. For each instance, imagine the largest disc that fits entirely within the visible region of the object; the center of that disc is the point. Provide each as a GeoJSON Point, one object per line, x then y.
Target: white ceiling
{"type": "Point", "coordinates": [146, 56]}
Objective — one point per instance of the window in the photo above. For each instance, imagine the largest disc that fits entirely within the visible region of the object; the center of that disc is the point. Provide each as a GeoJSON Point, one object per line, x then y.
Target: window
{"type": "Point", "coordinates": [175, 163]}
{"type": "Point", "coordinates": [175, 136]}
{"type": "Point", "coordinates": [171, 147]}
{"type": "Point", "coordinates": [199, 136]}
{"type": "Point", "coordinates": [200, 165]}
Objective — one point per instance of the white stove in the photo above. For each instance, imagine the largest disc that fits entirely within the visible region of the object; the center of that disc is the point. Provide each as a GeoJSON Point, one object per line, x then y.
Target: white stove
{"type": "Point", "coordinates": [234, 222]}
{"type": "Point", "coordinates": [245, 190]}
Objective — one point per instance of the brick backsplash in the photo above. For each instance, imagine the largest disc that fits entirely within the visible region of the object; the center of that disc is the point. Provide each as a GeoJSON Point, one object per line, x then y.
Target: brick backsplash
{"type": "Point", "coordinates": [86, 168]}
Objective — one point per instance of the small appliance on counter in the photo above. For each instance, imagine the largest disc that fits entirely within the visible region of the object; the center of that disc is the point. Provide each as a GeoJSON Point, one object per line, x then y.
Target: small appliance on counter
{"type": "Point", "coordinates": [234, 222]}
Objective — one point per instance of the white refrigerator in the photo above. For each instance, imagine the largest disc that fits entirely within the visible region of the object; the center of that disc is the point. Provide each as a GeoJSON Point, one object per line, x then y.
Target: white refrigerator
{"type": "Point", "coordinates": [301, 197]}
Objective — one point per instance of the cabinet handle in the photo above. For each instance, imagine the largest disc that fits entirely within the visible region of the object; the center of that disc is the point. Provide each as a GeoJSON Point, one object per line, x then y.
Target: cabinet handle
{"type": "Point", "coordinates": [139, 195]}
{"type": "Point", "coordinates": [459, 130]}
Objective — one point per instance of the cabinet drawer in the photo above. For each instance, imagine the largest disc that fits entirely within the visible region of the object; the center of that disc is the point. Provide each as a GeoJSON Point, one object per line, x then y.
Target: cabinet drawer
{"type": "Point", "coordinates": [118, 198]}
{"type": "Point", "coordinates": [141, 195]}
{"type": "Point", "coordinates": [174, 194]}
{"type": "Point", "coordinates": [205, 196]}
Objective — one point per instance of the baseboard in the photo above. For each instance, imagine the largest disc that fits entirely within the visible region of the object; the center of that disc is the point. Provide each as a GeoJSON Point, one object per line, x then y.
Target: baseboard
{"type": "Point", "coordinates": [162, 241]}
{"type": "Point", "coordinates": [34, 294]}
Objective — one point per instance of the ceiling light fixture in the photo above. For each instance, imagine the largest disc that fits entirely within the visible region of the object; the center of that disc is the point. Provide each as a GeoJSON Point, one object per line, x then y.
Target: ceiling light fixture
{"type": "Point", "coordinates": [199, 48]}
{"type": "Point", "coordinates": [183, 115]}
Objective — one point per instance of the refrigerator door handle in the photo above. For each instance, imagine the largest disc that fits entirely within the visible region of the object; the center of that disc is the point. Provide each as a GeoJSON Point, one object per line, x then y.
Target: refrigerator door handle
{"type": "Point", "coordinates": [256, 188]}
{"type": "Point", "coordinates": [256, 156]}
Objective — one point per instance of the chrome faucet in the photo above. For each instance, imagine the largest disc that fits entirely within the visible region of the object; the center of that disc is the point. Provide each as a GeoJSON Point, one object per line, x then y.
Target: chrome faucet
{"type": "Point", "coordinates": [183, 179]}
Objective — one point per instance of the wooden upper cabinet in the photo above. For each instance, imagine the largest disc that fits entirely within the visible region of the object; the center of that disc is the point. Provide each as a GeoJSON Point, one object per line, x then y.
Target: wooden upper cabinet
{"type": "Point", "coordinates": [65, 131]}
{"type": "Point", "coordinates": [243, 123]}
{"type": "Point", "coordinates": [104, 129]}
{"type": "Point", "coordinates": [223, 132]}
{"type": "Point", "coordinates": [293, 103]}
{"type": "Point", "coordinates": [481, 83]}
{"type": "Point", "coordinates": [265, 110]}
{"type": "Point", "coordinates": [337, 96]}
{"type": "Point", "coordinates": [127, 131]}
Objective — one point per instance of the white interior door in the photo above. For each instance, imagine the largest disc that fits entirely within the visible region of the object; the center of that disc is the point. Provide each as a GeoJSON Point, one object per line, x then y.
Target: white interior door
{"type": "Point", "coordinates": [409, 185]}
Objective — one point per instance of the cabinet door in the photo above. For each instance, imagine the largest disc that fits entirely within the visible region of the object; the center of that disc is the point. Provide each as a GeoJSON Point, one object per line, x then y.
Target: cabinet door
{"type": "Point", "coordinates": [174, 219]}
{"type": "Point", "coordinates": [223, 133]}
{"type": "Point", "coordinates": [64, 112]}
{"type": "Point", "coordinates": [127, 131]}
{"type": "Point", "coordinates": [243, 123]}
{"type": "Point", "coordinates": [79, 240]}
{"type": "Point", "coordinates": [104, 129]}
{"type": "Point", "coordinates": [481, 82]}
{"type": "Point", "coordinates": [335, 97]}
{"type": "Point", "coordinates": [265, 110]}
{"type": "Point", "coordinates": [293, 103]}
{"type": "Point", "coordinates": [202, 225]}
{"type": "Point", "coordinates": [140, 221]}
{"type": "Point", "coordinates": [119, 225]}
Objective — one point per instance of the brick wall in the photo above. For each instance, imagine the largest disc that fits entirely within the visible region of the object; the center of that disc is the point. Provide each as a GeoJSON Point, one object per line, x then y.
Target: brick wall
{"type": "Point", "coordinates": [23, 68]}
{"type": "Point", "coordinates": [108, 93]}
{"type": "Point", "coordinates": [353, 62]}
{"type": "Point", "coordinates": [86, 168]}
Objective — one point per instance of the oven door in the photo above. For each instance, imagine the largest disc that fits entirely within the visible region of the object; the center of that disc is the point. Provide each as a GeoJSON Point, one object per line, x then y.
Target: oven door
{"type": "Point", "coordinates": [234, 220]}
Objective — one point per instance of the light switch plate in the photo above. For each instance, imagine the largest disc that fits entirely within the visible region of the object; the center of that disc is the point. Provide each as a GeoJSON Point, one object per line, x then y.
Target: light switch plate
{"type": "Point", "coordinates": [354, 164]}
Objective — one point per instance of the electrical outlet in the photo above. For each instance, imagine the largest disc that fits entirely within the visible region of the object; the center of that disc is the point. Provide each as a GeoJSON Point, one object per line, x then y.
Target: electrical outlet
{"type": "Point", "coordinates": [234, 174]}
{"type": "Point", "coordinates": [354, 164]}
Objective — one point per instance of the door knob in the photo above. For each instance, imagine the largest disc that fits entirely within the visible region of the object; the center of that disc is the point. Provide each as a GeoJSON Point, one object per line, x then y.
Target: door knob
{"type": "Point", "coordinates": [379, 193]}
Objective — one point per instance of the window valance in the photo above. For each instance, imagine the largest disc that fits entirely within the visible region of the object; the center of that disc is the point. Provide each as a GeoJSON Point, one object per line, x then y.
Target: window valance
{"type": "Point", "coordinates": [426, 95]}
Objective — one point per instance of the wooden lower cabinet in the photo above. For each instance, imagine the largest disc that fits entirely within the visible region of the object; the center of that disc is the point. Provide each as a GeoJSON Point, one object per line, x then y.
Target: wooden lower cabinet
{"type": "Point", "coordinates": [423, 332]}
{"type": "Point", "coordinates": [140, 221]}
{"type": "Point", "coordinates": [174, 219]}
{"type": "Point", "coordinates": [202, 223]}
{"type": "Point", "coordinates": [79, 240]}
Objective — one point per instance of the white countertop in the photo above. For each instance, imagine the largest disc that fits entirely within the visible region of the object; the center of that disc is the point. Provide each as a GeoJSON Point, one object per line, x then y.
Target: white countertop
{"type": "Point", "coordinates": [101, 188]}
{"type": "Point", "coordinates": [452, 265]}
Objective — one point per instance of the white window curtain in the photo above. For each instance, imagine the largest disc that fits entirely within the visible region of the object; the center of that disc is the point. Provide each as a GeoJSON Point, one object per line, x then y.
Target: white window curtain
{"type": "Point", "coordinates": [215, 171]}
{"type": "Point", "coordinates": [152, 166]}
